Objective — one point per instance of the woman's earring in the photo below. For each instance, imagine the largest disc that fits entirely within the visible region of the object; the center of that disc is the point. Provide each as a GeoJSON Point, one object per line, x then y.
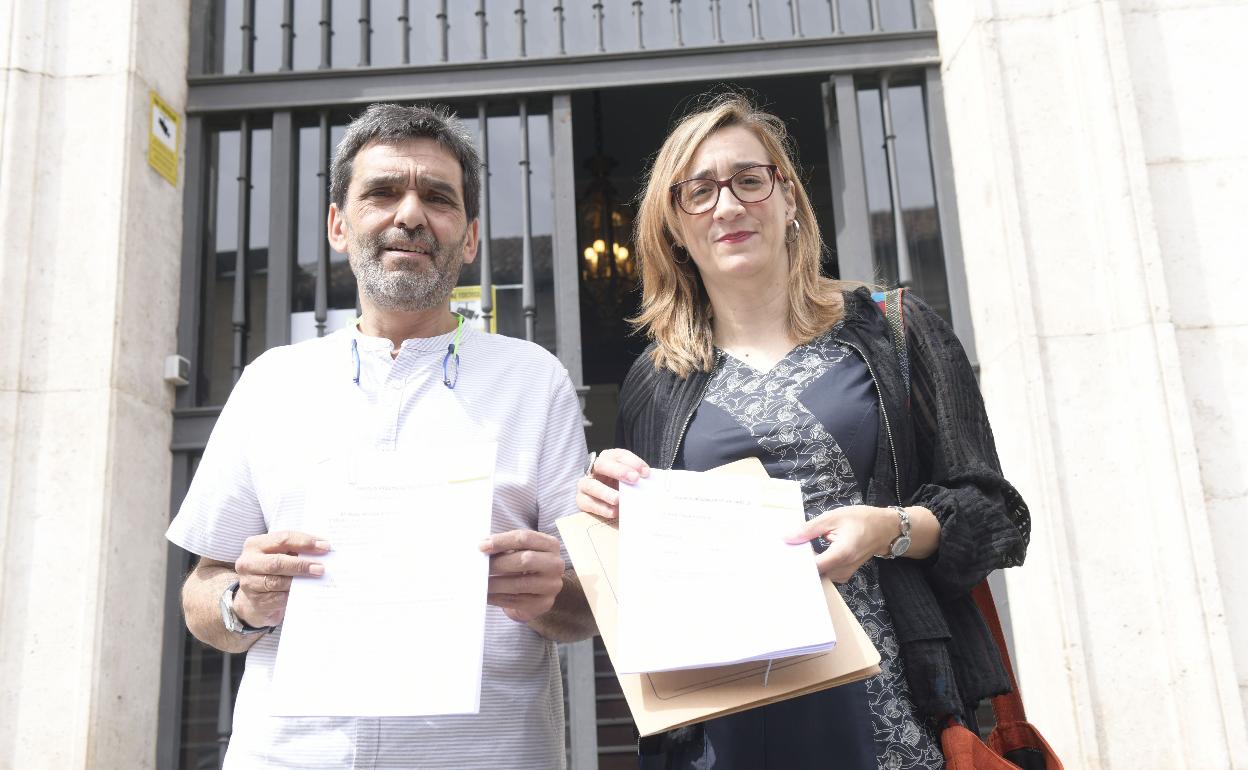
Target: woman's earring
{"type": "Point", "coordinates": [677, 249]}
{"type": "Point", "coordinates": [797, 228]}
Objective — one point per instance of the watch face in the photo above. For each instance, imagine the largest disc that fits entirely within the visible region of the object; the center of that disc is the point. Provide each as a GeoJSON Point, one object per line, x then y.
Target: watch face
{"type": "Point", "coordinates": [901, 545]}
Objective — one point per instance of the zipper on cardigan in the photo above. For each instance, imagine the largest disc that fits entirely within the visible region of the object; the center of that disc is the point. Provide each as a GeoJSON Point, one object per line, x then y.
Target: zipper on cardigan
{"type": "Point", "coordinates": [689, 417]}
{"type": "Point", "coordinates": [888, 430]}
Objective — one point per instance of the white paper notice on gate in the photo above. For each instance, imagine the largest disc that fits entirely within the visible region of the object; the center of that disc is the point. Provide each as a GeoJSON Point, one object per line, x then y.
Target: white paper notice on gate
{"type": "Point", "coordinates": [396, 625]}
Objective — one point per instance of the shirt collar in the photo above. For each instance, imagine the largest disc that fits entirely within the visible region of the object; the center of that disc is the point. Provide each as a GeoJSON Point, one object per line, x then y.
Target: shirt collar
{"type": "Point", "coordinates": [415, 344]}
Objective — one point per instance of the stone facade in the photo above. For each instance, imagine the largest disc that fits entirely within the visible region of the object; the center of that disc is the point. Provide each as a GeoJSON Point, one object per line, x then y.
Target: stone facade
{"type": "Point", "coordinates": [1095, 172]}
{"type": "Point", "coordinates": [88, 297]}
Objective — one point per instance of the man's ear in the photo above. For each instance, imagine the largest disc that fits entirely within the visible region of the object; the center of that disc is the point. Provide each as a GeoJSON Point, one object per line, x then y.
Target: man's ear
{"type": "Point", "coordinates": [336, 229]}
{"type": "Point", "coordinates": [471, 241]}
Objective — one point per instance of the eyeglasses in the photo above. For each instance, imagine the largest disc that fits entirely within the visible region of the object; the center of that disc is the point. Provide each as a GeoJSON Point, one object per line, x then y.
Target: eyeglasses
{"type": "Point", "coordinates": [753, 184]}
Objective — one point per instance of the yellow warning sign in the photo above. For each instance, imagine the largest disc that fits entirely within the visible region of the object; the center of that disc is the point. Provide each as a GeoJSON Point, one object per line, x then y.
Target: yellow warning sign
{"type": "Point", "coordinates": [162, 139]}
{"type": "Point", "coordinates": [466, 300]}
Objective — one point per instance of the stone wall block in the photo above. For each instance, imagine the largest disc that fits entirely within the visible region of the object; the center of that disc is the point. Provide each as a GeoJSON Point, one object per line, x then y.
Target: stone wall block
{"type": "Point", "coordinates": [1181, 58]}
{"type": "Point", "coordinates": [149, 285]}
{"type": "Point", "coordinates": [50, 568]}
{"type": "Point", "coordinates": [132, 589]}
{"type": "Point", "coordinates": [19, 157]}
{"type": "Point", "coordinates": [1214, 360]}
{"type": "Point", "coordinates": [23, 27]}
{"type": "Point", "coordinates": [86, 39]}
{"type": "Point", "coordinates": [1131, 540]}
{"type": "Point", "coordinates": [77, 201]}
{"type": "Point", "coordinates": [1079, 209]}
{"type": "Point", "coordinates": [1200, 209]}
{"type": "Point", "coordinates": [166, 30]}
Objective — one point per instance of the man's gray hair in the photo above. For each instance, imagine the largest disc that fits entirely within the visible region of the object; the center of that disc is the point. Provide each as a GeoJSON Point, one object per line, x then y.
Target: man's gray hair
{"type": "Point", "coordinates": [388, 123]}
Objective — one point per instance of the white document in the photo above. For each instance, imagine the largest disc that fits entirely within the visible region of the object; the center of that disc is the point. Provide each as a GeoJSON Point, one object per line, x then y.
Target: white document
{"type": "Point", "coordinates": [705, 577]}
{"type": "Point", "coordinates": [396, 626]}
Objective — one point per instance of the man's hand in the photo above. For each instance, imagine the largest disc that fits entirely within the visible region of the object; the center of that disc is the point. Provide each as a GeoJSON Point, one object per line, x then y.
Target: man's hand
{"type": "Point", "coordinates": [526, 573]}
{"type": "Point", "coordinates": [265, 570]}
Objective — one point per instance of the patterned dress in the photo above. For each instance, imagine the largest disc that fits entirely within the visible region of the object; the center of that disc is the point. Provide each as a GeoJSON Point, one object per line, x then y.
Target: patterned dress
{"type": "Point", "coordinates": [813, 418]}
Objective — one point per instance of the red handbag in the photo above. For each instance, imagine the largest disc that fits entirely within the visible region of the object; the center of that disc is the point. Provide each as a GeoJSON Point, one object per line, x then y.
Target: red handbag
{"type": "Point", "coordinates": [1014, 743]}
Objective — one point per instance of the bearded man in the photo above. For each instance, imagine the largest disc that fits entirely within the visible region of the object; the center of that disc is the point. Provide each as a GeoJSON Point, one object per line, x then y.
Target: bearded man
{"type": "Point", "coordinates": [405, 190]}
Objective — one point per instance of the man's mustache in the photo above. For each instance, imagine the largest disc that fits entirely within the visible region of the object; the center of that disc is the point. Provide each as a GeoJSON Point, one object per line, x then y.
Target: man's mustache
{"type": "Point", "coordinates": [403, 242]}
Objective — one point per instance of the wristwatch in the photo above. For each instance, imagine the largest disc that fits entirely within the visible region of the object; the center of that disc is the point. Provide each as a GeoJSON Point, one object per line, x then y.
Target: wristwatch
{"type": "Point", "coordinates": [901, 543]}
{"type": "Point", "coordinates": [233, 623]}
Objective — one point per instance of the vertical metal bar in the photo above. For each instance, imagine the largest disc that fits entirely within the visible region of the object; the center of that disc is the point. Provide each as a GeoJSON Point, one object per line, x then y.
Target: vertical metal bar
{"type": "Point", "coordinates": [716, 27]}
{"type": "Point", "coordinates": [637, 11]}
{"type": "Point", "coordinates": [520, 22]}
{"type": "Point", "coordinates": [201, 59]}
{"type": "Point", "coordinates": [196, 222]}
{"type": "Point", "coordinates": [366, 32]}
{"type": "Point", "coordinates": [405, 31]}
{"type": "Point", "coordinates": [283, 217]}
{"type": "Point", "coordinates": [190, 295]}
{"type": "Point", "coordinates": [481, 25]}
{"type": "Point", "coordinates": [875, 16]}
{"type": "Point", "coordinates": [238, 314]}
{"type": "Point", "coordinates": [559, 27]}
{"type": "Point", "coordinates": [905, 276]}
{"type": "Point", "coordinates": [173, 655]}
{"type": "Point", "coordinates": [248, 29]}
{"type": "Point", "coordinates": [320, 309]}
{"type": "Point", "coordinates": [327, 31]}
{"type": "Point", "coordinates": [566, 259]}
{"type": "Point", "coordinates": [598, 19]}
{"type": "Point", "coordinates": [444, 23]}
{"type": "Point", "coordinates": [677, 32]}
{"type": "Point", "coordinates": [834, 10]}
{"type": "Point", "coordinates": [582, 708]}
{"type": "Point", "coordinates": [528, 300]}
{"type": "Point", "coordinates": [225, 707]}
{"type": "Point", "coordinates": [795, 18]}
{"type": "Point", "coordinates": [849, 180]}
{"type": "Point", "coordinates": [922, 14]}
{"type": "Point", "coordinates": [487, 277]}
{"type": "Point", "coordinates": [947, 211]}
{"type": "Point", "coordinates": [288, 35]}
{"type": "Point", "coordinates": [756, 21]}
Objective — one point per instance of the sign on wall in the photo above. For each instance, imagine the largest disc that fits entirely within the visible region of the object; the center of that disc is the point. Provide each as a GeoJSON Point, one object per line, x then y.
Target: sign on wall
{"type": "Point", "coordinates": [466, 300]}
{"type": "Point", "coordinates": [162, 139]}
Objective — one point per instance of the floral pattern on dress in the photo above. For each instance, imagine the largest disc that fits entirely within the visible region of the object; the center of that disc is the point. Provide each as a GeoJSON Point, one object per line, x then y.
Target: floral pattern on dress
{"type": "Point", "coordinates": [768, 405]}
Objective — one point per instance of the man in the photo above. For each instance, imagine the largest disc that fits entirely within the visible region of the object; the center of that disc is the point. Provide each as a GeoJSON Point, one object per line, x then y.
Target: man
{"type": "Point", "coordinates": [405, 191]}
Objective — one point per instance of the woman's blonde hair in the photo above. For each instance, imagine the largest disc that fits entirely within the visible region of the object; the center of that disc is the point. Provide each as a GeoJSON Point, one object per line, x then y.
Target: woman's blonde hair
{"type": "Point", "coordinates": [675, 310]}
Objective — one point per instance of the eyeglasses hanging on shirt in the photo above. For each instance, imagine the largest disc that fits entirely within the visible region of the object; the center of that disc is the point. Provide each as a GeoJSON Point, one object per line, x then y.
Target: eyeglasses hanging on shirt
{"type": "Point", "coordinates": [450, 361]}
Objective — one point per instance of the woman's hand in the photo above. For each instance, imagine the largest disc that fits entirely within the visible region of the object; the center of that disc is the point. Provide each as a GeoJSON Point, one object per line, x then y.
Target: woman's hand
{"type": "Point", "coordinates": [858, 532]}
{"type": "Point", "coordinates": [598, 491]}
{"type": "Point", "coordinates": [855, 533]}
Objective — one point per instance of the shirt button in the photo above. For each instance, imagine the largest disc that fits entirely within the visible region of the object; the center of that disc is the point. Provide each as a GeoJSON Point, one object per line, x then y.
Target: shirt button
{"type": "Point", "coordinates": [396, 384]}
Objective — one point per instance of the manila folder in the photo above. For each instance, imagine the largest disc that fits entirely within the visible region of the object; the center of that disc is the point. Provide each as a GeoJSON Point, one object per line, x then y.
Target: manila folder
{"type": "Point", "coordinates": [671, 699]}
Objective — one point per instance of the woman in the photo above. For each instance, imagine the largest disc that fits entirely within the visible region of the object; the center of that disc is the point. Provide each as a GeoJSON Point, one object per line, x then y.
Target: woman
{"type": "Point", "coordinates": [755, 354]}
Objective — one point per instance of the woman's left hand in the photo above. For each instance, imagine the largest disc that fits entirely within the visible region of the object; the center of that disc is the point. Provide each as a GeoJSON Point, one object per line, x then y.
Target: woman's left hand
{"type": "Point", "coordinates": [856, 533]}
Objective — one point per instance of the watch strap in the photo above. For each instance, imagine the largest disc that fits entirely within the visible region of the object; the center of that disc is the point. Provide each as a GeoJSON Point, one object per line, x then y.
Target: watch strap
{"type": "Point", "coordinates": [230, 618]}
{"type": "Point", "coordinates": [900, 544]}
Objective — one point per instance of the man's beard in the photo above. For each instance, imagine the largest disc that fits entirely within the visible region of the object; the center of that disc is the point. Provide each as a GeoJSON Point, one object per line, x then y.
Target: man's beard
{"type": "Point", "coordinates": [410, 285]}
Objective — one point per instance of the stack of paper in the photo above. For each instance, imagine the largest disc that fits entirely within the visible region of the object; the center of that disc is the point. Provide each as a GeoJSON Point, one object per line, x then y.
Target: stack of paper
{"type": "Point", "coordinates": [665, 700]}
{"type": "Point", "coordinates": [706, 578]}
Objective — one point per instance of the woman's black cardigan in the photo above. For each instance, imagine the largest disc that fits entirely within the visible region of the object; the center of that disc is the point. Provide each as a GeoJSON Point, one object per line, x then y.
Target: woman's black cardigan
{"type": "Point", "coordinates": [947, 463]}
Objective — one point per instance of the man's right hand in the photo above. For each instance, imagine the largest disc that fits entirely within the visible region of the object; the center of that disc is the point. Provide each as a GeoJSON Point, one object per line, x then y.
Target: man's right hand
{"type": "Point", "coordinates": [268, 565]}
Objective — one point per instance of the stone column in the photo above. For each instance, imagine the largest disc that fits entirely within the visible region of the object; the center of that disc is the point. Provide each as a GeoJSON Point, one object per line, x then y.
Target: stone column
{"type": "Point", "coordinates": [1119, 617]}
{"type": "Point", "coordinates": [88, 303]}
